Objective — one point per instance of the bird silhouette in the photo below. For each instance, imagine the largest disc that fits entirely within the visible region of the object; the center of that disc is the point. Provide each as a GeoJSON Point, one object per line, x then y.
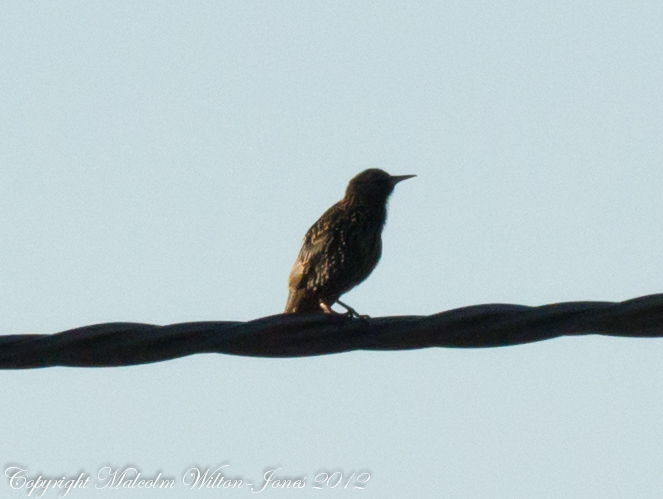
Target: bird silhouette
{"type": "Point", "coordinates": [343, 247]}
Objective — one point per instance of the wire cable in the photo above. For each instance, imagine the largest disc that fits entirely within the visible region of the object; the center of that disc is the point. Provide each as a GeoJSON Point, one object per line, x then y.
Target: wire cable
{"type": "Point", "coordinates": [299, 335]}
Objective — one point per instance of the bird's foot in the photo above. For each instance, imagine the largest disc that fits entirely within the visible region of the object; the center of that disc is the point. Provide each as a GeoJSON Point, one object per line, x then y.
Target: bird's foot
{"type": "Point", "coordinates": [328, 310]}
{"type": "Point", "coordinates": [351, 312]}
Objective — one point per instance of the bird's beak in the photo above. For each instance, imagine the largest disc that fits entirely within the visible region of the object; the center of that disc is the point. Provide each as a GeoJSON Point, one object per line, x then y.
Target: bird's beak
{"type": "Point", "coordinates": [398, 178]}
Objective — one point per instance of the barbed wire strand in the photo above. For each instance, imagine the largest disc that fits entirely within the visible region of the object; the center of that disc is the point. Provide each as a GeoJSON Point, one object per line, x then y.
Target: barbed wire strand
{"type": "Point", "coordinates": [294, 335]}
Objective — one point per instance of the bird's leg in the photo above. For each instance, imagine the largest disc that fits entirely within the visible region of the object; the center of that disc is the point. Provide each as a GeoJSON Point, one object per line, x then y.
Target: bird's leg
{"type": "Point", "coordinates": [326, 308]}
{"type": "Point", "coordinates": [351, 312]}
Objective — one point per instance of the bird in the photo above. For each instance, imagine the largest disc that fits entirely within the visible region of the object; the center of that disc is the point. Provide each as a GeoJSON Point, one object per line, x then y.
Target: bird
{"type": "Point", "coordinates": [343, 246]}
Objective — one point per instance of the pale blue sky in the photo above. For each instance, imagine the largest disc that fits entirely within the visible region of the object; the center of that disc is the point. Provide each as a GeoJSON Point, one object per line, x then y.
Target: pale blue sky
{"type": "Point", "coordinates": [161, 162]}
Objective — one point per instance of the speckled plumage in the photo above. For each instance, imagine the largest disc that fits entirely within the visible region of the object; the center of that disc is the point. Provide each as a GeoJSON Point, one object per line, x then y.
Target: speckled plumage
{"type": "Point", "coordinates": [343, 247]}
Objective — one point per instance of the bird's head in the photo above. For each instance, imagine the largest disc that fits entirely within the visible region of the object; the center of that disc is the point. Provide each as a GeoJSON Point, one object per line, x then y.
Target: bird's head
{"type": "Point", "coordinates": [373, 184]}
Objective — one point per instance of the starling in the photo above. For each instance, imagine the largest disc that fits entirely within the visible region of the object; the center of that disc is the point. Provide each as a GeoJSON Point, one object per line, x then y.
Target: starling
{"type": "Point", "coordinates": [343, 247]}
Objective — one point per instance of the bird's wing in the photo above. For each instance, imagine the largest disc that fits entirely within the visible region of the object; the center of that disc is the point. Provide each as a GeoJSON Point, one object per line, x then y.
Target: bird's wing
{"type": "Point", "coordinates": [308, 271]}
{"type": "Point", "coordinates": [329, 261]}
{"type": "Point", "coordinates": [307, 277]}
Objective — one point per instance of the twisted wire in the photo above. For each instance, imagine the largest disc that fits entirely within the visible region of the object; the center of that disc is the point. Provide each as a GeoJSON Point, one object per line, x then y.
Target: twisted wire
{"type": "Point", "coordinates": [298, 335]}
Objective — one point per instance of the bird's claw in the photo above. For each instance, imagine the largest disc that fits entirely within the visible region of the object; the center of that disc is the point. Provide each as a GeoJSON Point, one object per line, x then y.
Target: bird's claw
{"type": "Point", "coordinates": [355, 315]}
{"type": "Point", "coordinates": [351, 312]}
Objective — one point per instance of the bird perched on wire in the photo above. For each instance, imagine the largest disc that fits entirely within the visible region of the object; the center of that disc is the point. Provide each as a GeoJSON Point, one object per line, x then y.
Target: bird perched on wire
{"type": "Point", "coordinates": [343, 247]}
